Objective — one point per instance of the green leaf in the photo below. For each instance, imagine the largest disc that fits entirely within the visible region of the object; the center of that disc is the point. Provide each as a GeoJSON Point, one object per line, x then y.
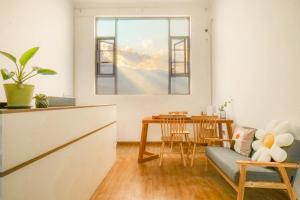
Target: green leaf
{"type": "Point", "coordinates": [27, 56]}
{"type": "Point", "coordinates": [44, 71]}
{"type": "Point", "coordinates": [9, 56]}
{"type": "Point", "coordinates": [40, 97]}
{"type": "Point", "coordinates": [35, 68]}
{"type": "Point", "coordinates": [6, 74]}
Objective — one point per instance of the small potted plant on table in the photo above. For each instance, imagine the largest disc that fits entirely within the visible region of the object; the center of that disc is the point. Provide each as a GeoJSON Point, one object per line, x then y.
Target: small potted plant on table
{"type": "Point", "coordinates": [18, 94]}
{"type": "Point", "coordinates": [222, 109]}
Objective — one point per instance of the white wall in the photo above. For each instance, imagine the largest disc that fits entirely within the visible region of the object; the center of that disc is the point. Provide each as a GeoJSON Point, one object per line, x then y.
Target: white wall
{"type": "Point", "coordinates": [257, 60]}
{"type": "Point", "coordinates": [47, 24]}
{"type": "Point", "coordinates": [131, 109]}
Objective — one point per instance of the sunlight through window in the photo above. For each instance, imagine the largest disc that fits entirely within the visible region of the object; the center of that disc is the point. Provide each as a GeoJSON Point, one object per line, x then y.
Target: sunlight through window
{"type": "Point", "coordinates": [142, 56]}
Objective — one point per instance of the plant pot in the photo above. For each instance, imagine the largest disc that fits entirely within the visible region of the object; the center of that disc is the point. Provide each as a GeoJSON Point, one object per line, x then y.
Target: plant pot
{"type": "Point", "coordinates": [222, 114]}
{"type": "Point", "coordinates": [41, 103]}
{"type": "Point", "coordinates": [18, 95]}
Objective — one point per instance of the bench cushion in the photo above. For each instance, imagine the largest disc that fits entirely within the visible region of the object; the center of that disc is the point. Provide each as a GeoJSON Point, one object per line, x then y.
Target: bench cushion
{"type": "Point", "coordinates": [226, 158]}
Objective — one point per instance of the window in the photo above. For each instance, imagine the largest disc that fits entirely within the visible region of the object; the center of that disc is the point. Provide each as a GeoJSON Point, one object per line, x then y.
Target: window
{"type": "Point", "coordinates": [142, 56]}
{"type": "Point", "coordinates": [106, 64]}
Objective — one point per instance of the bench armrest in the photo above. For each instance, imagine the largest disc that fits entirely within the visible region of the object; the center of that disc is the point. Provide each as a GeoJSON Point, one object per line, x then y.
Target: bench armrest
{"type": "Point", "coordinates": [219, 140]}
{"type": "Point", "coordinates": [267, 164]}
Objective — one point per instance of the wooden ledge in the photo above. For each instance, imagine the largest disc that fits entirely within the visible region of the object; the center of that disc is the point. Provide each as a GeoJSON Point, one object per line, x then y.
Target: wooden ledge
{"type": "Point", "coordinates": [9, 111]}
{"type": "Point", "coordinates": [267, 164]}
{"type": "Point", "coordinates": [219, 140]}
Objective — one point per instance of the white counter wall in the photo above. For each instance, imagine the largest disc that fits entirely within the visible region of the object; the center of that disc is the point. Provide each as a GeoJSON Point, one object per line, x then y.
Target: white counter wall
{"type": "Point", "coordinates": [72, 172]}
{"type": "Point", "coordinates": [132, 108]}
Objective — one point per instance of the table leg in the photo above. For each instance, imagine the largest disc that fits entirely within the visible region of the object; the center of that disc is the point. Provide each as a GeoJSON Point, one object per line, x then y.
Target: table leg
{"type": "Point", "coordinates": [229, 130]}
{"type": "Point", "coordinates": [220, 130]}
{"type": "Point", "coordinates": [143, 141]}
{"type": "Point", "coordinates": [143, 154]}
{"type": "Point", "coordinates": [221, 133]}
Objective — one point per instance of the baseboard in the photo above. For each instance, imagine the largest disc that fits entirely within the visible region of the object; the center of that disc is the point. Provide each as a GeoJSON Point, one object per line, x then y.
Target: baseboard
{"type": "Point", "coordinates": [137, 142]}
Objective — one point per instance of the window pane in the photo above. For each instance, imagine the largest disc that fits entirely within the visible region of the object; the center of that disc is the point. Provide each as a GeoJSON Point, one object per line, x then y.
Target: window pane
{"type": "Point", "coordinates": [178, 68]}
{"type": "Point", "coordinates": [180, 85]}
{"type": "Point", "coordinates": [106, 57]}
{"type": "Point", "coordinates": [142, 56]}
{"type": "Point", "coordinates": [107, 68]}
{"type": "Point", "coordinates": [179, 27]}
{"type": "Point", "coordinates": [105, 28]}
{"type": "Point", "coordinates": [105, 85]}
{"type": "Point", "coordinates": [178, 44]}
{"type": "Point", "coordinates": [107, 45]}
{"type": "Point", "coordinates": [178, 56]}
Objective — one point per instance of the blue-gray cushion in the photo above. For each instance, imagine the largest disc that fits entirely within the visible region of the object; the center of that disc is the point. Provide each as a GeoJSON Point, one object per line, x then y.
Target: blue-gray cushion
{"type": "Point", "coordinates": [226, 158]}
{"type": "Point", "coordinates": [293, 155]}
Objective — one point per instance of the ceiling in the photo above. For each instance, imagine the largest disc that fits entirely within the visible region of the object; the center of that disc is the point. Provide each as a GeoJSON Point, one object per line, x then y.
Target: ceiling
{"type": "Point", "coordinates": [97, 2]}
{"type": "Point", "coordinates": [131, 1]}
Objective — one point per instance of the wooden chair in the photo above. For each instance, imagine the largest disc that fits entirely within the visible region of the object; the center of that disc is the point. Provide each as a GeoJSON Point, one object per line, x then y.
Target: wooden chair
{"type": "Point", "coordinates": [178, 113]}
{"type": "Point", "coordinates": [203, 127]}
{"type": "Point", "coordinates": [286, 170]}
{"type": "Point", "coordinates": [182, 115]}
{"type": "Point", "coordinates": [173, 131]}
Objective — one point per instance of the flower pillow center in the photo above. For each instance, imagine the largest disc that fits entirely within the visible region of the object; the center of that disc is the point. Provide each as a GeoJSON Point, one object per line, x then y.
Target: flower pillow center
{"type": "Point", "coordinates": [269, 141]}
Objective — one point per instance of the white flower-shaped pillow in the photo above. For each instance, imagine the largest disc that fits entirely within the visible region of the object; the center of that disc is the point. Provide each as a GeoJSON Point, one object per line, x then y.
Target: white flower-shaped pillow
{"type": "Point", "coordinates": [269, 142]}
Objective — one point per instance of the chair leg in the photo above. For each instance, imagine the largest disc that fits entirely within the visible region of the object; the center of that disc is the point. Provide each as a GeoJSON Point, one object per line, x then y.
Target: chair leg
{"type": "Point", "coordinates": [188, 146]}
{"type": "Point", "coordinates": [162, 149]}
{"type": "Point", "coordinates": [242, 179]}
{"type": "Point", "coordinates": [182, 154]}
{"type": "Point", "coordinates": [206, 163]}
{"type": "Point", "coordinates": [287, 182]}
{"type": "Point", "coordinates": [193, 155]}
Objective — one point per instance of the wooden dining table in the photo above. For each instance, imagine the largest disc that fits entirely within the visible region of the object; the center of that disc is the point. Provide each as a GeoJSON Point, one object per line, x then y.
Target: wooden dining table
{"type": "Point", "coordinates": [145, 155]}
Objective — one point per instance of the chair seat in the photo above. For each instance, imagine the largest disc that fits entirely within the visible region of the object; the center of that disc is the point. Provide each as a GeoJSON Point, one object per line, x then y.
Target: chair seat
{"type": "Point", "coordinates": [181, 132]}
{"type": "Point", "coordinates": [225, 159]}
{"type": "Point", "coordinates": [173, 139]}
{"type": "Point", "coordinates": [198, 141]}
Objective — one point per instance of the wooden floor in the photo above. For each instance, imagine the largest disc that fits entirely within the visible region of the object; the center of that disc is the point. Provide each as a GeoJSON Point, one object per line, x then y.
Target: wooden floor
{"type": "Point", "coordinates": [128, 180]}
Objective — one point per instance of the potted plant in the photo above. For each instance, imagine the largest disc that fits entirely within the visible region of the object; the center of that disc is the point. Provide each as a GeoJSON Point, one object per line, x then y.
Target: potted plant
{"type": "Point", "coordinates": [222, 109]}
{"type": "Point", "coordinates": [18, 94]}
{"type": "Point", "coordinates": [41, 101]}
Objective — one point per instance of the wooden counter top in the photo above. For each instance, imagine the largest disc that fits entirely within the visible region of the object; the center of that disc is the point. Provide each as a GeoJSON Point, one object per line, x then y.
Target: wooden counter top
{"type": "Point", "coordinates": [9, 111]}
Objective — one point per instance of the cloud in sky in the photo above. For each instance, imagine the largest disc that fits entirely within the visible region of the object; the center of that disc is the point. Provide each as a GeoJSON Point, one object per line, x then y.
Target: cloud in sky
{"type": "Point", "coordinates": [147, 44]}
{"type": "Point", "coordinates": [142, 70]}
{"type": "Point", "coordinates": [131, 58]}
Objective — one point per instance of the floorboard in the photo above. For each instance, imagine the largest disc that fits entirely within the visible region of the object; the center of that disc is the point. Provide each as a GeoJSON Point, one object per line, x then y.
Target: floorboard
{"type": "Point", "coordinates": [128, 180]}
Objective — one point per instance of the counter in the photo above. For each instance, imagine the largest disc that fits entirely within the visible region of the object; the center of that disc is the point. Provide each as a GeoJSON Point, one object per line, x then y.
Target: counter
{"type": "Point", "coordinates": [59, 153]}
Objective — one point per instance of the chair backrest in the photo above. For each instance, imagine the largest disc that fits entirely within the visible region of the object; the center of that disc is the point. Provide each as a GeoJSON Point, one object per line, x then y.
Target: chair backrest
{"type": "Point", "coordinates": [204, 127]}
{"type": "Point", "coordinates": [172, 125]}
{"type": "Point", "coordinates": [178, 113]}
